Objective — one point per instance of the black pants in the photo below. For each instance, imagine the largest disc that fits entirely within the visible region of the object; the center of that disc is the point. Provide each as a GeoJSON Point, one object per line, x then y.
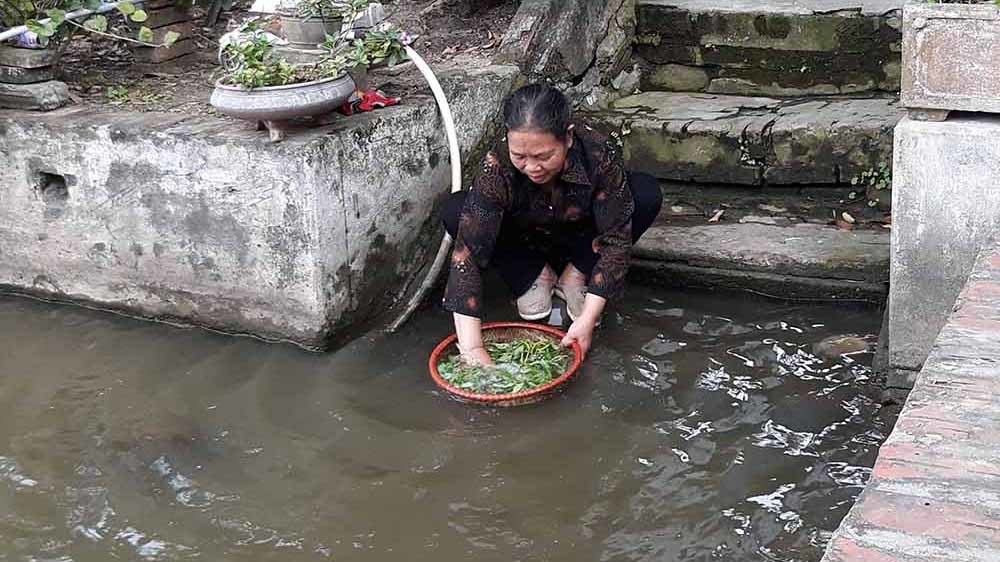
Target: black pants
{"type": "Point", "coordinates": [519, 265]}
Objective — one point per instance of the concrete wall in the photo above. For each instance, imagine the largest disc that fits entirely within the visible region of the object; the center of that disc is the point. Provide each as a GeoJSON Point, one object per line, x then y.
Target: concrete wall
{"type": "Point", "coordinates": [946, 204]}
{"type": "Point", "coordinates": [202, 220]}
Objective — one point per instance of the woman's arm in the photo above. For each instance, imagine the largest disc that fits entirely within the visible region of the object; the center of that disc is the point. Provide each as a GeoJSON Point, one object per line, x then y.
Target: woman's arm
{"type": "Point", "coordinates": [470, 339]}
{"type": "Point", "coordinates": [478, 228]}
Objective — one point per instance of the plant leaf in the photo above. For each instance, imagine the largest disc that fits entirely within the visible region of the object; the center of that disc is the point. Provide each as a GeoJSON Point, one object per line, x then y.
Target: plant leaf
{"type": "Point", "coordinates": [126, 8]}
{"type": "Point", "coordinates": [97, 23]}
{"type": "Point", "coordinates": [171, 37]}
{"type": "Point", "coordinates": [145, 34]}
{"type": "Point", "coordinates": [57, 16]}
{"type": "Point", "coordinates": [139, 16]}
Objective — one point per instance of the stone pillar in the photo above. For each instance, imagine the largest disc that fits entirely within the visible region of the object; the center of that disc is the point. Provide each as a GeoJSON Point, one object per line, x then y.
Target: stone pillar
{"type": "Point", "coordinates": [27, 79]}
{"type": "Point", "coordinates": [946, 204]}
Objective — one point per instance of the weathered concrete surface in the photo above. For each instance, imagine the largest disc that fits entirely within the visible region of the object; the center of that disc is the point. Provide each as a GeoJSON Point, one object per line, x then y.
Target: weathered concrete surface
{"type": "Point", "coordinates": [934, 493]}
{"type": "Point", "coordinates": [775, 48]}
{"type": "Point", "coordinates": [585, 47]}
{"type": "Point", "coordinates": [802, 261]}
{"type": "Point", "coordinates": [945, 206]}
{"type": "Point", "coordinates": [949, 57]}
{"type": "Point", "coordinates": [204, 221]}
{"type": "Point", "coordinates": [747, 140]}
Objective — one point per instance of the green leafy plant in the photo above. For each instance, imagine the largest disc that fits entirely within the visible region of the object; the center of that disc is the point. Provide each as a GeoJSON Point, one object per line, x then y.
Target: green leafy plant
{"type": "Point", "coordinates": [520, 365]}
{"type": "Point", "coordinates": [873, 180]}
{"type": "Point", "coordinates": [55, 20]}
{"type": "Point", "coordinates": [251, 62]}
{"type": "Point", "coordinates": [386, 45]}
{"type": "Point", "coordinates": [319, 9]}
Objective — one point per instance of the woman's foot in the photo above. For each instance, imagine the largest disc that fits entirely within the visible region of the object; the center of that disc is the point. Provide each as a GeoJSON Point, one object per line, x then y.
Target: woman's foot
{"type": "Point", "coordinates": [572, 288]}
{"type": "Point", "coordinates": [536, 303]}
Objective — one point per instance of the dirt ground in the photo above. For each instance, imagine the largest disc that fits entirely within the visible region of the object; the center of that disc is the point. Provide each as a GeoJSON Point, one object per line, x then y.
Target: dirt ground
{"type": "Point", "coordinates": [101, 74]}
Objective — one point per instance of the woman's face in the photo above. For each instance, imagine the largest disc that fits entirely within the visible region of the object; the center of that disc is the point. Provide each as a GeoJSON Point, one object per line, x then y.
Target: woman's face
{"type": "Point", "coordinates": [540, 155]}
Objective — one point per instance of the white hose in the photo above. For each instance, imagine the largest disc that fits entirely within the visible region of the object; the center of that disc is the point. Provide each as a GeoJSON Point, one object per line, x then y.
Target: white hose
{"type": "Point", "coordinates": [456, 186]}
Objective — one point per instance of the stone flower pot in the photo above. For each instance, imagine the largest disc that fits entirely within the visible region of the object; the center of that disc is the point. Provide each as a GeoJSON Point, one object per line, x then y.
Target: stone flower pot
{"type": "Point", "coordinates": [310, 32]}
{"type": "Point", "coordinates": [273, 106]}
{"type": "Point", "coordinates": [951, 59]}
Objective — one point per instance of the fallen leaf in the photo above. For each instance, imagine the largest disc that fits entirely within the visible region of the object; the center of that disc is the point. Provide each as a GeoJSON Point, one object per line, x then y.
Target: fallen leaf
{"type": "Point", "coordinates": [844, 225]}
{"type": "Point", "coordinates": [717, 216]}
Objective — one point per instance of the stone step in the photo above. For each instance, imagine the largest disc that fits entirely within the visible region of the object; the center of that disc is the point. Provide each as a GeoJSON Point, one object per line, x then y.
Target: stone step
{"type": "Point", "coordinates": [752, 140]}
{"type": "Point", "coordinates": [772, 48]}
{"type": "Point", "coordinates": [804, 261]}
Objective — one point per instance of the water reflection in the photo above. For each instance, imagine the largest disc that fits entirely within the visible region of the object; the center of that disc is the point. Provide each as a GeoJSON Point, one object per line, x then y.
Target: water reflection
{"type": "Point", "coordinates": [703, 432]}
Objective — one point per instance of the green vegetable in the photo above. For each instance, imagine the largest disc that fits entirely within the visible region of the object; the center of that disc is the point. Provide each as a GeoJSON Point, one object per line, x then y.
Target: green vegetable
{"type": "Point", "coordinates": [520, 365]}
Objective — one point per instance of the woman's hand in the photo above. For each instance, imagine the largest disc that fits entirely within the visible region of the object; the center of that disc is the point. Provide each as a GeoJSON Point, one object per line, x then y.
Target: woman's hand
{"type": "Point", "coordinates": [582, 329]}
{"type": "Point", "coordinates": [477, 356]}
{"type": "Point", "coordinates": [581, 332]}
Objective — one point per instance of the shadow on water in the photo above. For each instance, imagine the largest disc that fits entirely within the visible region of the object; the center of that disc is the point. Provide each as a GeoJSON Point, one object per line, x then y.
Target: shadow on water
{"type": "Point", "coordinates": [703, 427]}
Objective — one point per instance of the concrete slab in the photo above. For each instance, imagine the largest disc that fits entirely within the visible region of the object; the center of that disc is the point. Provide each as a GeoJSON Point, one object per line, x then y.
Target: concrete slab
{"type": "Point", "coordinates": [752, 140]}
{"type": "Point", "coordinates": [934, 493]}
{"type": "Point", "coordinates": [805, 260]}
{"type": "Point", "coordinates": [784, 47]}
{"type": "Point", "coordinates": [945, 207]}
{"type": "Point", "coordinates": [203, 221]}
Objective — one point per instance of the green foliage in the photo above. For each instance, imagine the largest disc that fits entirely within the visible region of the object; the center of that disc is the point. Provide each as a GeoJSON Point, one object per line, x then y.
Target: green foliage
{"type": "Point", "coordinates": [873, 180]}
{"type": "Point", "coordinates": [520, 365]}
{"type": "Point", "coordinates": [319, 9]}
{"type": "Point", "coordinates": [13, 12]}
{"type": "Point", "coordinates": [251, 60]}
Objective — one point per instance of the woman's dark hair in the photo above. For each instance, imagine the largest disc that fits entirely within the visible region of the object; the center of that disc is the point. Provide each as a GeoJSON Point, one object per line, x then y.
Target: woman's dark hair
{"type": "Point", "coordinates": [537, 106]}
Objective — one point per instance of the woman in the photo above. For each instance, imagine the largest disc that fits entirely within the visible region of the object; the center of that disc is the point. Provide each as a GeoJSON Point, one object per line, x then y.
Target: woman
{"type": "Point", "coordinates": [552, 196]}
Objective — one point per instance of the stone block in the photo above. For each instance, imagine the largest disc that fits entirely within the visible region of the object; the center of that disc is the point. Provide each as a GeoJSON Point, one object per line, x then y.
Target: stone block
{"type": "Point", "coordinates": [156, 55]}
{"type": "Point", "coordinates": [949, 57]}
{"type": "Point", "coordinates": [18, 75]}
{"type": "Point", "coordinates": [775, 48]}
{"type": "Point", "coordinates": [27, 58]}
{"type": "Point", "coordinates": [675, 78]}
{"type": "Point", "coordinates": [752, 140]}
{"type": "Point", "coordinates": [42, 96]}
{"type": "Point", "coordinates": [165, 16]}
{"type": "Point", "coordinates": [945, 206]}
{"type": "Point", "coordinates": [203, 221]}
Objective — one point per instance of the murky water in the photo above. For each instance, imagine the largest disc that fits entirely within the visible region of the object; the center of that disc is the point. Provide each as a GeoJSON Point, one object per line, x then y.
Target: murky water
{"type": "Point", "coordinates": [702, 428]}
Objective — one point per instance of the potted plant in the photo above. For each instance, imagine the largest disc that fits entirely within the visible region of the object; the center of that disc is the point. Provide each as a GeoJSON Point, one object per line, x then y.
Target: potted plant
{"type": "Point", "coordinates": [263, 87]}
{"type": "Point", "coordinates": [949, 58]}
{"type": "Point", "coordinates": [307, 23]}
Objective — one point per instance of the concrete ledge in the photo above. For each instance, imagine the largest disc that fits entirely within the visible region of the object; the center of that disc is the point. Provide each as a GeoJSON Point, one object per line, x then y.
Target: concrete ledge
{"type": "Point", "coordinates": [934, 493]}
{"type": "Point", "coordinates": [202, 220]}
{"type": "Point", "coordinates": [805, 261]}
